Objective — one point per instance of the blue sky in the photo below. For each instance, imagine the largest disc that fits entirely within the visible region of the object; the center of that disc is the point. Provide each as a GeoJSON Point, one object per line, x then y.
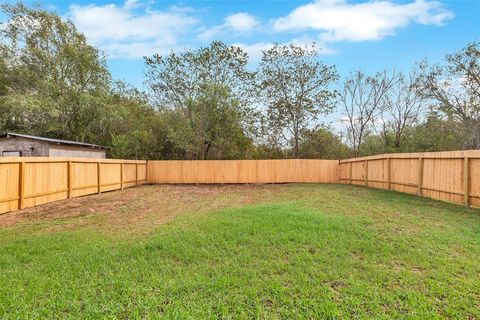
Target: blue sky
{"type": "Point", "coordinates": [353, 34]}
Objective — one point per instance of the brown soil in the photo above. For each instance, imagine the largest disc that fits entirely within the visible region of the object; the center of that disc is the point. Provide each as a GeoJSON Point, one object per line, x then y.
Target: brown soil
{"type": "Point", "coordinates": [139, 207]}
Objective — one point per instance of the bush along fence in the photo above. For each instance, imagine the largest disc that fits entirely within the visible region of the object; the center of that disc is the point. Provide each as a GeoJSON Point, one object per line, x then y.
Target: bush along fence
{"type": "Point", "coordinates": [28, 182]}
{"type": "Point", "coordinates": [452, 176]}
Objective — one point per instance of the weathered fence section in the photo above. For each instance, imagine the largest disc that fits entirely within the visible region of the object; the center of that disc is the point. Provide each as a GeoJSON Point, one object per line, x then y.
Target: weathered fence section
{"type": "Point", "coordinates": [243, 171]}
{"type": "Point", "coordinates": [450, 176]}
{"type": "Point", "coordinates": [28, 182]}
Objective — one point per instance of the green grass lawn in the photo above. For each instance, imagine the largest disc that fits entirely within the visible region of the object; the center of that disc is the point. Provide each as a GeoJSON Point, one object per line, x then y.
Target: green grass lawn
{"type": "Point", "coordinates": [270, 252]}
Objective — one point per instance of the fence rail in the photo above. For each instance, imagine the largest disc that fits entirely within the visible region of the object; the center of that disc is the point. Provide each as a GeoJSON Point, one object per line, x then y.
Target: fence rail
{"type": "Point", "coordinates": [28, 182]}
{"type": "Point", "coordinates": [451, 176]}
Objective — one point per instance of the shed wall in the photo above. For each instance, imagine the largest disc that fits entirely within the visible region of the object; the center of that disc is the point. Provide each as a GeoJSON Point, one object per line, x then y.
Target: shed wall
{"type": "Point", "coordinates": [27, 147]}
{"type": "Point", "coordinates": [75, 152]}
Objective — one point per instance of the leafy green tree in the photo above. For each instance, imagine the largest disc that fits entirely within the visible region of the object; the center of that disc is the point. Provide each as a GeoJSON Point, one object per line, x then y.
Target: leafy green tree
{"type": "Point", "coordinates": [213, 128]}
{"type": "Point", "coordinates": [295, 86]}
{"type": "Point", "coordinates": [268, 151]}
{"type": "Point", "coordinates": [455, 89]}
{"type": "Point", "coordinates": [137, 130]}
{"type": "Point", "coordinates": [178, 77]}
{"type": "Point", "coordinates": [374, 144]}
{"type": "Point", "coordinates": [205, 93]}
{"type": "Point", "coordinates": [56, 81]}
{"type": "Point", "coordinates": [437, 133]}
{"type": "Point", "coordinates": [322, 143]}
{"type": "Point", "coordinates": [3, 78]}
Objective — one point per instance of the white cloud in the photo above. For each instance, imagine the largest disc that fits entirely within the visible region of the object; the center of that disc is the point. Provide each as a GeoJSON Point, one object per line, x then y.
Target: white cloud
{"type": "Point", "coordinates": [131, 31]}
{"type": "Point", "coordinates": [240, 22]}
{"type": "Point", "coordinates": [339, 20]}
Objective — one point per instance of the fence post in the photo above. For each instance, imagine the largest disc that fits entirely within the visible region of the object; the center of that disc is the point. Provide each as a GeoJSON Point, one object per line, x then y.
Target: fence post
{"type": "Point", "coordinates": [99, 178]}
{"type": "Point", "coordinates": [420, 176]}
{"type": "Point", "coordinates": [350, 175]}
{"type": "Point", "coordinates": [148, 179]}
{"type": "Point", "coordinates": [69, 179]}
{"type": "Point", "coordinates": [136, 173]}
{"type": "Point", "coordinates": [466, 182]}
{"type": "Point", "coordinates": [21, 184]}
{"type": "Point", "coordinates": [366, 172]}
{"type": "Point", "coordinates": [121, 175]}
{"type": "Point", "coordinates": [389, 184]}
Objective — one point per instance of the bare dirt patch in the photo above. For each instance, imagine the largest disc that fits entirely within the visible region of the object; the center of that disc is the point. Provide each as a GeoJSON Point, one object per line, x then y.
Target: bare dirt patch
{"type": "Point", "coordinates": [140, 207]}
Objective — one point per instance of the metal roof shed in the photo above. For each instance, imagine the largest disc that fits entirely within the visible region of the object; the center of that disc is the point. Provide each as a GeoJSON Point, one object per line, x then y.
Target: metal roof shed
{"type": "Point", "coordinates": [22, 145]}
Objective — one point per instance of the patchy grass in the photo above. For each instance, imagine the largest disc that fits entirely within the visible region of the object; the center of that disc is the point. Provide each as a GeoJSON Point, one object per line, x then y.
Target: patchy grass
{"type": "Point", "coordinates": [271, 251]}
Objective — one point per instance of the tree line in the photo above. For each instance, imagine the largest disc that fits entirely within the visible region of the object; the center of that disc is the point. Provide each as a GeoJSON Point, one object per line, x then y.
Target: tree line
{"type": "Point", "coordinates": [208, 103]}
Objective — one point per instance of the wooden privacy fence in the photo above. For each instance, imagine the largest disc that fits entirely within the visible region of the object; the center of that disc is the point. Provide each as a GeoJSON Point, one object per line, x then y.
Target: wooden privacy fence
{"type": "Point", "coordinates": [243, 171]}
{"type": "Point", "coordinates": [451, 176]}
{"type": "Point", "coordinates": [28, 182]}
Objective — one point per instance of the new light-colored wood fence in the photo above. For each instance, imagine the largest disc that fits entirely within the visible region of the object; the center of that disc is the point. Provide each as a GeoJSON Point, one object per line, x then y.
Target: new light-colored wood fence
{"type": "Point", "coordinates": [243, 171]}
{"type": "Point", "coordinates": [451, 176]}
{"type": "Point", "coordinates": [28, 182]}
